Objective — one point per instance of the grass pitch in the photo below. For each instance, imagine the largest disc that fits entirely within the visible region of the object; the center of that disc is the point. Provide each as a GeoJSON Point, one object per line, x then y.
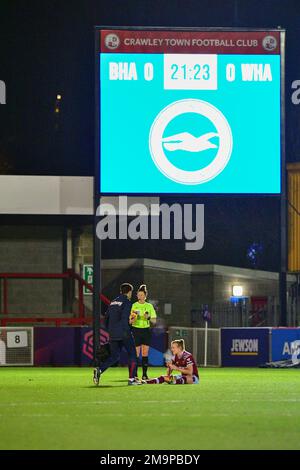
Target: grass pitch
{"type": "Point", "coordinates": [59, 408]}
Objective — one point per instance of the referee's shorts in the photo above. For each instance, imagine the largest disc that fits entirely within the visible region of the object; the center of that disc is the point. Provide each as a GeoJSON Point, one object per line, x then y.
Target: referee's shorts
{"type": "Point", "coordinates": [141, 336]}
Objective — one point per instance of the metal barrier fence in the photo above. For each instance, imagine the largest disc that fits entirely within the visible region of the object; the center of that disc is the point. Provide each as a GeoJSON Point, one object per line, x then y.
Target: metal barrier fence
{"type": "Point", "coordinates": [78, 318]}
{"type": "Point", "coordinates": [241, 315]}
{"type": "Point", "coordinates": [195, 343]}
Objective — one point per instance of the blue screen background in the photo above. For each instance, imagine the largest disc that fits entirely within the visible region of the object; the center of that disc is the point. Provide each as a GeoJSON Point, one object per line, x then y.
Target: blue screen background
{"type": "Point", "coordinates": [128, 109]}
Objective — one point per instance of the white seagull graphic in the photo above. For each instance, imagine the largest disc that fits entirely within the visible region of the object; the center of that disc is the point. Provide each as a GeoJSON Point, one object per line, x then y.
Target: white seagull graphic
{"type": "Point", "coordinates": [190, 143]}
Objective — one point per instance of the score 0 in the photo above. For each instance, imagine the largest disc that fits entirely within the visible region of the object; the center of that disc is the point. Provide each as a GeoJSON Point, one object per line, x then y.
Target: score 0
{"type": "Point", "coordinates": [128, 71]}
{"type": "Point", "coordinates": [230, 72]}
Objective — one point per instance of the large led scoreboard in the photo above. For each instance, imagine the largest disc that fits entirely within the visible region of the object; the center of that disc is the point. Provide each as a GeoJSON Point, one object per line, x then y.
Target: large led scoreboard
{"type": "Point", "coordinates": [189, 111]}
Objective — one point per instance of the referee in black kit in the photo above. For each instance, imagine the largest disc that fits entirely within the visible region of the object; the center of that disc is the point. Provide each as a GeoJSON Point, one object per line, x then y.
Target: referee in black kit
{"type": "Point", "coordinates": [120, 335]}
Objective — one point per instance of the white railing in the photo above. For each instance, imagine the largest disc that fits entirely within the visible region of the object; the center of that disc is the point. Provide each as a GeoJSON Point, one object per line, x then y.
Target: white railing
{"type": "Point", "coordinates": [204, 344]}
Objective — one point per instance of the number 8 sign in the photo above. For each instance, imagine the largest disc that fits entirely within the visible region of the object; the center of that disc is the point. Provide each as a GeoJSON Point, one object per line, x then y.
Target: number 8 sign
{"type": "Point", "coordinates": [17, 339]}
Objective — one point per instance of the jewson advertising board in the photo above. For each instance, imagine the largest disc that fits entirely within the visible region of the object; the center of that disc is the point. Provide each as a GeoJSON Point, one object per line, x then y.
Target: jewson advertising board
{"type": "Point", "coordinates": [245, 347]}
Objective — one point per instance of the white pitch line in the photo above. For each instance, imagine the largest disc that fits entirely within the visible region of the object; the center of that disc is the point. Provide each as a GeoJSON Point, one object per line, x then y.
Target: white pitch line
{"type": "Point", "coordinates": [122, 415]}
{"type": "Point", "coordinates": [90, 403]}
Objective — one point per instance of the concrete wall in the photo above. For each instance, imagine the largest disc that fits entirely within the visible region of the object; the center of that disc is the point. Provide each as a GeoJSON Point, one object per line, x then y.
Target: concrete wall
{"type": "Point", "coordinates": [176, 291]}
{"type": "Point", "coordinates": [46, 195]}
{"type": "Point", "coordinates": [222, 287]}
{"type": "Point", "coordinates": [31, 249]}
{"type": "Point", "coordinates": [82, 247]}
{"type": "Point", "coordinates": [172, 288]}
{"type": "Point", "coordinates": [202, 290]}
{"type": "Point", "coordinates": [186, 287]}
{"type": "Point", "coordinates": [113, 278]}
{"type": "Point", "coordinates": [176, 288]}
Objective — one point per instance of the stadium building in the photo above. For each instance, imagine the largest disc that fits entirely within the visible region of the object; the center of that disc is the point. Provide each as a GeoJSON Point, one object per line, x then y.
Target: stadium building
{"type": "Point", "coordinates": [46, 250]}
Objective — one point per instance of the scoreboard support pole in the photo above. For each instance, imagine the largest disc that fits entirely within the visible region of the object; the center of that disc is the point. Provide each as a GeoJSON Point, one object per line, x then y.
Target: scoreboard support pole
{"type": "Point", "coordinates": [97, 288]}
{"type": "Point", "coordinates": [283, 196]}
{"type": "Point", "coordinates": [97, 200]}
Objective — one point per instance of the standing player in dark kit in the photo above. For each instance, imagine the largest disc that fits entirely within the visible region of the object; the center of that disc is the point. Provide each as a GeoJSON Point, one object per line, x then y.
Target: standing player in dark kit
{"type": "Point", "coordinates": [120, 335]}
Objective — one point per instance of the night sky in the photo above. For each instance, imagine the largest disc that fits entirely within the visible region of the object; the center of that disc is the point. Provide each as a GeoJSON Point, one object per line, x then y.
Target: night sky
{"type": "Point", "coordinates": [47, 47]}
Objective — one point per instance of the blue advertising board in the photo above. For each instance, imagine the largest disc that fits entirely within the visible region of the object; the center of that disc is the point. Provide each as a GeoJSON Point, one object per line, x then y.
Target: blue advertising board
{"type": "Point", "coordinates": [245, 347]}
{"type": "Point", "coordinates": [189, 112]}
{"type": "Point", "coordinates": [282, 339]}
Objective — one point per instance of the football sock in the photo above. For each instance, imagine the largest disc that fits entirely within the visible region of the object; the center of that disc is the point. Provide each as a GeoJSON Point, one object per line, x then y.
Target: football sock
{"type": "Point", "coordinates": [137, 364]}
{"type": "Point", "coordinates": [180, 381]}
{"type": "Point", "coordinates": [158, 380]}
{"type": "Point", "coordinates": [145, 364]}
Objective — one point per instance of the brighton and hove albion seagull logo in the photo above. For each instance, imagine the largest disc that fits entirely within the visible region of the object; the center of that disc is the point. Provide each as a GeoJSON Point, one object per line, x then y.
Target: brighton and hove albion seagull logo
{"type": "Point", "coordinates": [192, 144]}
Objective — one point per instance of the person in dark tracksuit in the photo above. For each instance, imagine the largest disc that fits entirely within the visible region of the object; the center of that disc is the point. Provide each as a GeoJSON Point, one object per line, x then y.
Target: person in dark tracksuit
{"type": "Point", "coordinates": [120, 335]}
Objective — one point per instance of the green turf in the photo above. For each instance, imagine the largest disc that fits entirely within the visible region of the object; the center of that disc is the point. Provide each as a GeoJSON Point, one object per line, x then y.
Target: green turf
{"type": "Point", "coordinates": [59, 408]}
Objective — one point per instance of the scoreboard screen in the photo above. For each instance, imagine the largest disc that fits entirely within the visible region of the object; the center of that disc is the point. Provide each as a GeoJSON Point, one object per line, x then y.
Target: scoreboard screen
{"type": "Point", "coordinates": [189, 112]}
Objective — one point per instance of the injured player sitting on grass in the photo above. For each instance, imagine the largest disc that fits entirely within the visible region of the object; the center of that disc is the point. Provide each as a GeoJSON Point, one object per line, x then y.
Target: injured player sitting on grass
{"type": "Point", "coordinates": [183, 362]}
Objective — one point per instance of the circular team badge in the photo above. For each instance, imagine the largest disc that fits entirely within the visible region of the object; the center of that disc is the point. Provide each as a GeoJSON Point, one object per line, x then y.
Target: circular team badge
{"type": "Point", "coordinates": [158, 144]}
{"type": "Point", "coordinates": [269, 43]}
{"type": "Point", "coordinates": [112, 41]}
